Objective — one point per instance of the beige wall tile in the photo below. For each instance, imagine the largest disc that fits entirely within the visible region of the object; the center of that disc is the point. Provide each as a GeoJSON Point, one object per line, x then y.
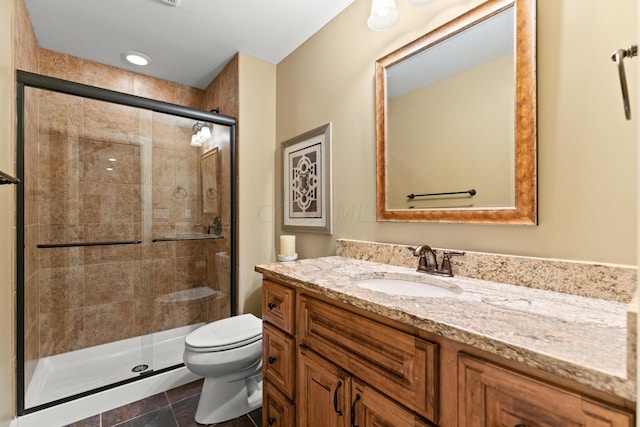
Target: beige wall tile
{"type": "Point", "coordinates": [61, 66]}
{"type": "Point", "coordinates": [61, 289]}
{"type": "Point", "coordinates": [61, 331]}
{"type": "Point", "coordinates": [110, 322]}
{"type": "Point", "coordinates": [191, 272]}
{"type": "Point", "coordinates": [104, 121]}
{"type": "Point", "coordinates": [59, 157]}
{"type": "Point", "coordinates": [107, 283]}
{"type": "Point", "coordinates": [150, 87]}
{"type": "Point", "coordinates": [107, 77]}
{"type": "Point", "coordinates": [60, 257]}
{"type": "Point", "coordinates": [59, 114]}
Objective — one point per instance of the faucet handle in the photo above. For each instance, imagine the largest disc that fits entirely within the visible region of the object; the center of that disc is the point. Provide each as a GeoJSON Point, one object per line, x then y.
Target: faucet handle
{"type": "Point", "coordinates": [453, 253]}
{"type": "Point", "coordinates": [446, 262]}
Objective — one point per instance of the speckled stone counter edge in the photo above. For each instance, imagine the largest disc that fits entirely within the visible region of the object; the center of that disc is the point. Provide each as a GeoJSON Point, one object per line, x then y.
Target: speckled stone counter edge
{"type": "Point", "coordinates": [610, 282]}
{"type": "Point", "coordinates": [329, 277]}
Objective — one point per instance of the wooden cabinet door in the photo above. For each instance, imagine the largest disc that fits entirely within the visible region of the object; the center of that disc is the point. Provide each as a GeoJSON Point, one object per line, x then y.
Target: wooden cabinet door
{"type": "Point", "coordinates": [278, 359]}
{"type": "Point", "coordinates": [394, 362]}
{"type": "Point", "coordinates": [493, 396]}
{"type": "Point", "coordinates": [372, 409]}
{"type": "Point", "coordinates": [323, 392]}
{"type": "Point", "coordinates": [277, 410]}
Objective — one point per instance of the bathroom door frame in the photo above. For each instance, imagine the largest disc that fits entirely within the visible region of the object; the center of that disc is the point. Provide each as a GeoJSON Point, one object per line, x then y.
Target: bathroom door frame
{"type": "Point", "coordinates": [25, 79]}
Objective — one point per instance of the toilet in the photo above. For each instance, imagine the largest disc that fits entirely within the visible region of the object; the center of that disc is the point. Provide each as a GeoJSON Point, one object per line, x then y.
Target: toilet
{"type": "Point", "coordinates": [228, 354]}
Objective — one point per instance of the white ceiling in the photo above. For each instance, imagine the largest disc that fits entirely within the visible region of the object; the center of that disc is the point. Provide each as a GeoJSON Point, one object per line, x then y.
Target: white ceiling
{"type": "Point", "coordinates": [188, 44]}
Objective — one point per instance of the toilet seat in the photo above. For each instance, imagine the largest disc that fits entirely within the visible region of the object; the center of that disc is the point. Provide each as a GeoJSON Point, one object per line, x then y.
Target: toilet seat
{"type": "Point", "coordinates": [225, 334]}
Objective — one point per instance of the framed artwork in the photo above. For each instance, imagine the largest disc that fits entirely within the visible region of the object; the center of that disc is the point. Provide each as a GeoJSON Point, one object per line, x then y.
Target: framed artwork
{"type": "Point", "coordinates": [306, 182]}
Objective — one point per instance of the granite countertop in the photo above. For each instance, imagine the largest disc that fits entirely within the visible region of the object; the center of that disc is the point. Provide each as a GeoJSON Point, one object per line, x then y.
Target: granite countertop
{"type": "Point", "coordinates": [579, 338]}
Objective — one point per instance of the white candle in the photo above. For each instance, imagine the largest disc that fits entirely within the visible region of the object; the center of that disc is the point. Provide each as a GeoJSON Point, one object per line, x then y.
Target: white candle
{"type": "Point", "coordinates": [287, 245]}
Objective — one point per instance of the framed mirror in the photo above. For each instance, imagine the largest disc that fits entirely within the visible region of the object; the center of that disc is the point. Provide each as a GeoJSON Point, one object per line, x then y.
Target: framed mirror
{"type": "Point", "coordinates": [210, 179]}
{"type": "Point", "coordinates": [456, 121]}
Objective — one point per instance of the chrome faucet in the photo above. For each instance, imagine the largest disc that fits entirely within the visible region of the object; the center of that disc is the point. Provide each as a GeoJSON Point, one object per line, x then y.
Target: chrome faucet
{"type": "Point", "coordinates": [428, 263]}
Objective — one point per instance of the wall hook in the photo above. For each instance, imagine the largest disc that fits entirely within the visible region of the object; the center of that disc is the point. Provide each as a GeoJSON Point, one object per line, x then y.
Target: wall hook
{"type": "Point", "coordinates": [618, 57]}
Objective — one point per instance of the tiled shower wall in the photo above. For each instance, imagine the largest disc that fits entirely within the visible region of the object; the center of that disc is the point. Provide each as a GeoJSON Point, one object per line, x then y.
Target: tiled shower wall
{"type": "Point", "coordinates": [168, 265]}
{"type": "Point", "coordinates": [93, 295]}
{"type": "Point", "coordinates": [79, 297]}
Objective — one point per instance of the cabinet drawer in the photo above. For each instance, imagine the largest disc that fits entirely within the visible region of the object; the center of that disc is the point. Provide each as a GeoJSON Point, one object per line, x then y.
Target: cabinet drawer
{"type": "Point", "coordinates": [277, 410]}
{"type": "Point", "coordinates": [394, 362]}
{"type": "Point", "coordinates": [371, 408]}
{"type": "Point", "coordinates": [278, 359]}
{"type": "Point", "coordinates": [277, 305]}
{"type": "Point", "coordinates": [490, 395]}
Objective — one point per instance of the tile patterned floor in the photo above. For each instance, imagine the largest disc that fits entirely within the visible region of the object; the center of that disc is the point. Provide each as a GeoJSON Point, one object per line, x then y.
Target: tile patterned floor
{"type": "Point", "coordinates": [173, 408]}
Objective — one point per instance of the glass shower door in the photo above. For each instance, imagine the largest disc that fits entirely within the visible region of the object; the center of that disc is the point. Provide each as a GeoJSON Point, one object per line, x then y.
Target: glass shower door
{"type": "Point", "coordinates": [119, 259]}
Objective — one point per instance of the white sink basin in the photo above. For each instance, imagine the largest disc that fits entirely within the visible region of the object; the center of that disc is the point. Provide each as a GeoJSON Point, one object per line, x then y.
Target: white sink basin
{"type": "Point", "coordinates": [405, 287]}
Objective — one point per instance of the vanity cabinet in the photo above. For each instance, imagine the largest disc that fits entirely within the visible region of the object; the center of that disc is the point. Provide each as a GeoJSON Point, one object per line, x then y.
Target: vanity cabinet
{"type": "Point", "coordinates": [490, 395]}
{"type": "Point", "coordinates": [277, 409]}
{"type": "Point", "coordinates": [330, 397]}
{"type": "Point", "coordinates": [329, 364]}
{"type": "Point", "coordinates": [396, 363]}
{"type": "Point", "coordinates": [324, 392]}
{"type": "Point", "coordinates": [278, 355]}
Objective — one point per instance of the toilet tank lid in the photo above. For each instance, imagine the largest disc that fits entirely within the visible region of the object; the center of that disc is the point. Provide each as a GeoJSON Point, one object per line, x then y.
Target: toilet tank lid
{"type": "Point", "coordinates": [226, 331]}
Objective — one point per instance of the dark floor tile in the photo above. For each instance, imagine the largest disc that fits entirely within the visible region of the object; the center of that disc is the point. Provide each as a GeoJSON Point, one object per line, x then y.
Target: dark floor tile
{"type": "Point", "coordinates": [256, 417]}
{"type": "Point", "coordinates": [184, 391]}
{"type": "Point", "coordinates": [161, 418]}
{"type": "Point", "coordinates": [133, 410]}
{"type": "Point", "coordinates": [185, 411]}
{"type": "Point", "coordinates": [243, 421]}
{"type": "Point", "coordinates": [87, 422]}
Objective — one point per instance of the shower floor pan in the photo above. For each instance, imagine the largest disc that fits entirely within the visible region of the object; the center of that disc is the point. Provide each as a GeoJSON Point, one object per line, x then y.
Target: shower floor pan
{"type": "Point", "coordinates": [67, 374]}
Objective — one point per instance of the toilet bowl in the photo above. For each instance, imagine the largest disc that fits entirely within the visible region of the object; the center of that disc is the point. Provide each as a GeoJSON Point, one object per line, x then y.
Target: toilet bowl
{"type": "Point", "coordinates": [228, 354]}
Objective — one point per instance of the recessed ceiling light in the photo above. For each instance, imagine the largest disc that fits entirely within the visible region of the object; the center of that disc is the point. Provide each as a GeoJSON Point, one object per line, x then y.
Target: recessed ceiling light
{"type": "Point", "coordinates": [136, 58]}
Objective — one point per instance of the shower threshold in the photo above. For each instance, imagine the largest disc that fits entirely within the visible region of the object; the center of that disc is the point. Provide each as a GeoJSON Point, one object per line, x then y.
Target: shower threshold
{"type": "Point", "coordinates": [68, 374]}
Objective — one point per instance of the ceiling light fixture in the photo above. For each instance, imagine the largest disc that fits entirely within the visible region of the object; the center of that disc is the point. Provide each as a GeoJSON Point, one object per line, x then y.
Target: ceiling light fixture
{"type": "Point", "coordinates": [384, 13]}
{"type": "Point", "coordinates": [136, 58]}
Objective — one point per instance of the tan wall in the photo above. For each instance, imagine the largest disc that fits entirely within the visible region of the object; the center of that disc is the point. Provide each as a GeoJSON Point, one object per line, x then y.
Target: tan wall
{"type": "Point", "coordinates": [586, 150]}
{"type": "Point", "coordinates": [255, 176]}
{"type": "Point", "coordinates": [7, 218]}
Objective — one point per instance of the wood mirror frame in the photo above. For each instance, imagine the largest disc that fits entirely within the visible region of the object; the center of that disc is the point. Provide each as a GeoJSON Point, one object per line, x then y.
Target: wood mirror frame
{"type": "Point", "coordinates": [525, 209]}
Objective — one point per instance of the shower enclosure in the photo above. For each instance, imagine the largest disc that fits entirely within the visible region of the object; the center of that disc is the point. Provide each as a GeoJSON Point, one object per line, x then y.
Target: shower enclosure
{"type": "Point", "coordinates": [125, 236]}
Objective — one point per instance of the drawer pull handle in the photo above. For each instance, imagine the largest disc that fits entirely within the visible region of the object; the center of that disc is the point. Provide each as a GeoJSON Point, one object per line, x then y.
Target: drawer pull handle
{"type": "Point", "coordinates": [520, 425]}
{"type": "Point", "coordinates": [271, 305]}
{"type": "Point", "coordinates": [271, 360]}
{"type": "Point", "coordinates": [335, 399]}
{"type": "Point", "coordinates": [271, 421]}
{"type": "Point", "coordinates": [353, 411]}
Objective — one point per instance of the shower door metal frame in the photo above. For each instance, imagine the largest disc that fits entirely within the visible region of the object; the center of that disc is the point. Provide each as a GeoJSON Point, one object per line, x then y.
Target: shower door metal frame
{"type": "Point", "coordinates": [25, 79]}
